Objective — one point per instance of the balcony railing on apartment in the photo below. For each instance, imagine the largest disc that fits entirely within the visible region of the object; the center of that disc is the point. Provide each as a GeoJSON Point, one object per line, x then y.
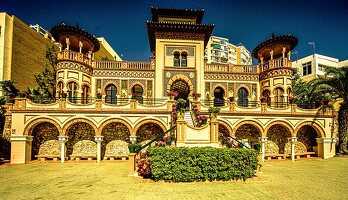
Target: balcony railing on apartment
{"type": "Point", "coordinates": [230, 68]}
{"type": "Point", "coordinates": [123, 65]}
{"type": "Point", "coordinates": [74, 56]}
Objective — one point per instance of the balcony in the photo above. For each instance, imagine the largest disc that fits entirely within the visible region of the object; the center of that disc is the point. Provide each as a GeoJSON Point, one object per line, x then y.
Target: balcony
{"type": "Point", "coordinates": [276, 63]}
{"type": "Point", "coordinates": [123, 65]}
{"type": "Point", "coordinates": [230, 68]}
{"type": "Point", "coordinates": [74, 56]}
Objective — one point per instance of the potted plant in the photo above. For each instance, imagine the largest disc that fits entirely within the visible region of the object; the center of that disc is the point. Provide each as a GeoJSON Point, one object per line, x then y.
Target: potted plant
{"type": "Point", "coordinates": [204, 119]}
{"type": "Point", "coordinates": [292, 100]}
{"type": "Point", "coordinates": [134, 148]}
{"type": "Point", "coordinates": [213, 111]}
{"type": "Point", "coordinates": [99, 94]}
{"type": "Point", "coordinates": [263, 99]}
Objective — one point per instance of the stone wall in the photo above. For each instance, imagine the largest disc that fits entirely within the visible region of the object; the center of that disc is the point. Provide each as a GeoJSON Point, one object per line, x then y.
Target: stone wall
{"type": "Point", "coordinates": [114, 131]}
{"type": "Point", "coordinates": [250, 132]}
{"type": "Point", "coordinates": [279, 135]}
{"type": "Point", "coordinates": [41, 133]}
{"type": "Point", "coordinates": [77, 132]}
{"type": "Point", "coordinates": [148, 132]}
{"type": "Point", "coordinates": [307, 135]}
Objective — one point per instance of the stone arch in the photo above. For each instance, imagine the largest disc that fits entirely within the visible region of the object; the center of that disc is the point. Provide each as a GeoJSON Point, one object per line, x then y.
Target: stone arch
{"type": "Point", "coordinates": [110, 83]}
{"type": "Point", "coordinates": [254, 123]}
{"type": "Point", "coordinates": [317, 128]}
{"type": "Point", "coordinates": [283, 123]}
{"type": "Point", "coordinates": [78, 120]}
{"type": "Point", "coordinates": [74, 81]}
{"type": "Point", "coordinates": [143, 136]}
{"type": "Point", "coordinates": [177, 78]}
{"type": "Point", "coordinates": [42, 132]}
{"type": "Point", "coordinates": [29, 128]}
{"type": "Point", "coordinates": [114, 129]}
{"type": "Point", "coordinates": [221, 86]}
{"type": "Point", "coordinates": [226, 125]}
{"type": "Point", "coordinates": [279, 132]}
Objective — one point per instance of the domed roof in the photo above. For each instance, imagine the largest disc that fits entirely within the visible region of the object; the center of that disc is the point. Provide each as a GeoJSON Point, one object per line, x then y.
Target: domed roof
{"type": "Point", "coordinates": [289, 40]}
{"type": "Point", "coordinates": [75, 34]}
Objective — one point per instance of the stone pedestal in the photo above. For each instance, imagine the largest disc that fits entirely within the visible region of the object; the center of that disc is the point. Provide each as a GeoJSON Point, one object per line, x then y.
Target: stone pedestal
{"type": "Point", "coordinates": [263, 147]}
{"type": "Point", "coordinates": [131, 163]}
{"type": "Point", "coordinates": [214, 131]}
{"type": "Point", "coordinates": [21, 149]}
{"type": "Point", "coordinates": [62, 139]}
{"type": "Point", "coordinates": [326, 147]}
{"type": "Point", "coordinates": [98, 139]}
{"type": "Point", "coordinates": [293, 141]}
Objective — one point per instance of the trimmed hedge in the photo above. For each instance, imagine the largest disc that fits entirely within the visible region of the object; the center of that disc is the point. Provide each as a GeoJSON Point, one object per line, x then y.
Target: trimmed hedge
{"type": "Point", "coordinates": [185, 164]}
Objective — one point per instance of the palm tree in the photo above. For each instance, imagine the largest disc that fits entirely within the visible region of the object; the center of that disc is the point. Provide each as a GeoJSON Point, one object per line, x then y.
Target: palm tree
{"type": "Point", "coordinates": [335, 83]}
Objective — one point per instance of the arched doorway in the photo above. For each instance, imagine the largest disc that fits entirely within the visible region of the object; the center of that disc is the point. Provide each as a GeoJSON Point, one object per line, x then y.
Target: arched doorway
{"type": "Point", "coordinates": [137, 93]}
{"type": "Point", "coordinates": [114, 131]}
{"type": "Point", "coordinates": [77, 132]}
{"type": "Point", "coordinates": [243, 97]}
{"type": "Point", "coordinates": [85, 94]}
{"type": "Point", "coordinates": [183, 90]}
{"type": "Point", "coordinates": [41, 133]}
{"type": "Point", "coordinates": [279, 135]}
{"type": "Point", "coordinates": [219, 94]}
{"type": "Point", "coordinates": [148, 131]}
{"type": "Point", "coordinates": [72, 93]}
{"type": "Point", "coordinates": [248, 133]}
{"type": "Point", "coordinates": [110, 94]}
{"type": "Point", "coordinates": [307, 135]}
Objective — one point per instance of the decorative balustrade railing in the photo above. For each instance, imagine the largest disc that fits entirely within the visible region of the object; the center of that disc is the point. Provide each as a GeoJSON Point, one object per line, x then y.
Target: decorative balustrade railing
{"type": "Point", "coordinates": [123, 65]}
{"type": "Point", "coordinates": [229, 68]}
{"type": "Point", "coordinates": [74, 56]}
{"type": "Point", "coordinates": [275, 63]}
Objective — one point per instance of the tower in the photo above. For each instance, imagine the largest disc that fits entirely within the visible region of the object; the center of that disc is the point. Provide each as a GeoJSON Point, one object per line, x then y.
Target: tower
{"type": "Point", "coordinates": [177, 40]}
{"type": "Point", "coordinates": [275, 68]}
{"type": "Point", "coordinates": [74, 62]}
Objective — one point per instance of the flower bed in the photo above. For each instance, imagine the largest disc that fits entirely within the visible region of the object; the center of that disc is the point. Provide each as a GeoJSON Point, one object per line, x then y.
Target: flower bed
{"type": "Point", "coordinates": [186, 164]}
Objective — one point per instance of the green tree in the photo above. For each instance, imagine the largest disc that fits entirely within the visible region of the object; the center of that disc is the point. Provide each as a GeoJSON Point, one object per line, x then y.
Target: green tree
{"type": "Point", "coordinates": [335, 83]}
{"type": "Point", "coordinates": [46, 80]}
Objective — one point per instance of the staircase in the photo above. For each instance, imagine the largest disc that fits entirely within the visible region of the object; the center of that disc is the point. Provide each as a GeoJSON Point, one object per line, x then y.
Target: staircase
{"type": "Point", "coordinates": [188, 118]}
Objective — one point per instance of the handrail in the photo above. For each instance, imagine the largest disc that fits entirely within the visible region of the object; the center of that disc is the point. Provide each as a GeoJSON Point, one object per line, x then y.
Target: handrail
{"type": "Point", "coordinates": [240, 143]}
{"type": "Point", "coordinates": [156, 138]}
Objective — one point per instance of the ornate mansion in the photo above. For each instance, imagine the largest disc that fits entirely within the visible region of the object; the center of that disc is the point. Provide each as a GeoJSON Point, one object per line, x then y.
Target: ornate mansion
{"type": "Point", "coordinates": [102, 101]}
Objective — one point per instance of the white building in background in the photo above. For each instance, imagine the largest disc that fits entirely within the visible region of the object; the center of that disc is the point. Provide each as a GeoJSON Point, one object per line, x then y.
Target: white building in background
{"type": "Point", "coordinates": [220, 50]}
{"type": "Point", "coordinates": [311, 66]}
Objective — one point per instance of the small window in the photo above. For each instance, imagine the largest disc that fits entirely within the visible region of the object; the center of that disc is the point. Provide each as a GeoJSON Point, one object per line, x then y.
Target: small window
{"type": "Point", "coordinates": [176, 59]}
{"type": "Point", "coordinates": [183, 59]}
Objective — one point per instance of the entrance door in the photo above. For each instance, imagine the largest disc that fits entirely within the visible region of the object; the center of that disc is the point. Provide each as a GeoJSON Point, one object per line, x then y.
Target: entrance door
{"type": "Point", "coordinates": [182, 88]}
{"type": "Point", "coordinates": [243, 97]}
{"type": "Point", "coordinates": [138, 91]}
{"type": "Point", "coordinates": [219, 94]}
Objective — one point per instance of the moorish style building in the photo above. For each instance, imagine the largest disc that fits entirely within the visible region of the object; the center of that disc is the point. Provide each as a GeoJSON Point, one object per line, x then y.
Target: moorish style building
{"type": "Point", "coordinates": [102, 104]}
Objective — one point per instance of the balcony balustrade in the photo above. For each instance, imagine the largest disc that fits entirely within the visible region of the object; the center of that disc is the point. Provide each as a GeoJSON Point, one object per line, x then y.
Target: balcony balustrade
{"type": "Point", "coordinates": [74, 56]}
{"type": "Point", "coordinates": [275, 63]}
{"type": "Point", "coordinates": [123, 65]}
{"type": "Point", "coordinates": [230, 68]}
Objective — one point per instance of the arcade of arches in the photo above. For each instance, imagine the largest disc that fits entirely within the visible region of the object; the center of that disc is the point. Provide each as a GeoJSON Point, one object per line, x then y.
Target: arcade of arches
{"type": "Point", "coordinates": [79, 131]}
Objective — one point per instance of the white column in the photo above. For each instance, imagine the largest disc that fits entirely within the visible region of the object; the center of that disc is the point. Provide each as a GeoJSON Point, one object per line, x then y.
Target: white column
{"type": "Point", "coordinates": [62, 139]}
{"type": "Point", "coordinates": [263, 147]}
{"type": "Point", "coordinates": [293, 141]}
{"type": "Point", "coordinates": [98, 139]}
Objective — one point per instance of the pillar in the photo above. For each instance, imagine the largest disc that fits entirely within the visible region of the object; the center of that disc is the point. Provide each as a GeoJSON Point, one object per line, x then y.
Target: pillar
{"type": "Point", "coordinates": [293, 141]}
{"type": "Point", "coordinates": [80, 46]}
{"type": "Point", "coordinates": [263, 147]}
{"type": "Point", "coordinates": [131, 163]}
{"type": "Point", "coordinates": [98, 139]}
{"type": "Point", "coordinates": [21, 149]}
{"type": "Point", "coordinates": [62, 139]}
{"type": "Point", "coordinates": [67, 41]}
{"type": "Point", "coordinates": [271, 54]}
{"type": "Point", "coordinates": [326, 147]}
{"type": "Point", "coordinates": [283, 52]}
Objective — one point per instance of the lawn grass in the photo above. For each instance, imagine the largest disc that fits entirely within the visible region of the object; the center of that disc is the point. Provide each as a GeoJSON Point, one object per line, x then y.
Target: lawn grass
{"type": "Point", "coordinates": [303, 179]}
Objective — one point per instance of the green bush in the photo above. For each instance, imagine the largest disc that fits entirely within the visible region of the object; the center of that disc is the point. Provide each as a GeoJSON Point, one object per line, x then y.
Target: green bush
{"type": "Point", "coordinates": [185, 164]}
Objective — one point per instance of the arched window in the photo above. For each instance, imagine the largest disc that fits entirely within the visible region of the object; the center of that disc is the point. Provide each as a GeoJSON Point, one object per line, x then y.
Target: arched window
{"type": "Point", "coordinates": [289, 92]}
{"type": "Point", "coordinates": [85, 94]}
{"type": "Point", "coordinates": [243, 97]}
{"type": "Point", "coordinates": [138, 91]}
{"type": "Point", "coordinates": [60, 89]}
{"type": "Point", "coordinates": [183, 59]}
{"type": "Point", "coordinates": [176, 59]}
{"type": "Point", "coordinates": [279, 97]}
{"type": "Point", "coordinates": [110, 92]}
{"type": "Point", "coordinates": [72, 94]}
{"type": "Point", "coordinates": [219, 94]}
{"type": "Point", "coordinates": [266, 98]}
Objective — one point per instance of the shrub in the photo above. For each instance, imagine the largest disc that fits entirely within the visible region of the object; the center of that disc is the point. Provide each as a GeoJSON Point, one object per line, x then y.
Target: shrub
{"type": "Point", "coordinates": [185, 164]}
{"type": "Point", "coordinates": [144, 167]}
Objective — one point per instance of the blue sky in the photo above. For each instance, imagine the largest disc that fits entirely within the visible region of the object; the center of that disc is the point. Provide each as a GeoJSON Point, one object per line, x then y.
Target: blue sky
{"type": "Point", "coordinates": [122, 22]}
